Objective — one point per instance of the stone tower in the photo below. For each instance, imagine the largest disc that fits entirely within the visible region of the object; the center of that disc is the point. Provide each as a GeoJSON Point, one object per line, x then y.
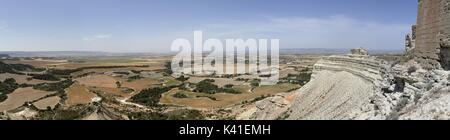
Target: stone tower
{"type": "Point", "coordinates": [432, 44]}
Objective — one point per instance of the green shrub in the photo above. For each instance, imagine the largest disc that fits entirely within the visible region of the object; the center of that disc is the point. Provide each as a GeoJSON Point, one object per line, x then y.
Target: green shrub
{"type": "Point", "coordinates": [6, 87]}
{"type": "Point", "coordinates": [47, 77]}
{"type": "Point", "coordinates": [207, 86]}
{"type": "Point", "coordinates": [54, 86]}
{"type": "Point", "coordinates": [15, 68]}
{"type": "Point", "coordinates": [180, 95]}
{"type": "Point", "coordinates": [150, 97]}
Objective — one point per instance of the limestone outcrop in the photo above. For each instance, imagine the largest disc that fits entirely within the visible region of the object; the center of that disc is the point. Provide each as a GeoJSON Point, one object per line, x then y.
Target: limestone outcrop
{"type": "Point", "coordinates": [412, 92]}
{"type": "Point", "coordinates": [273, 108]}
{"type": "Point", "coordinates": [361, 87]}
{"type": "Point", "coordinates": [339, 87]}
{"type": "Point", "coordinates": [359, 51]}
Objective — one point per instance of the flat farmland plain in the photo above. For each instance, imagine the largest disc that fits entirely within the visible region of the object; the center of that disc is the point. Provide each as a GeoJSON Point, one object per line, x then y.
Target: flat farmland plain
{"type": "Point", "coordinates": [20, 96]}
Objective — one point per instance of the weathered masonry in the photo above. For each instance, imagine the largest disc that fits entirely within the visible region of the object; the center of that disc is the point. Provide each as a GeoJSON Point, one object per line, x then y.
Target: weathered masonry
{"type": "Point", "coordinates": [432, 37]}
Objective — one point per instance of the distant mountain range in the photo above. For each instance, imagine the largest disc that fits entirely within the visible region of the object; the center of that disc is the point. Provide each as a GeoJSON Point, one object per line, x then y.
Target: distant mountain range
{"type": "Point", "coordinates": [97, 53]}
{"type": "Point", "coordinates": [69, 54]}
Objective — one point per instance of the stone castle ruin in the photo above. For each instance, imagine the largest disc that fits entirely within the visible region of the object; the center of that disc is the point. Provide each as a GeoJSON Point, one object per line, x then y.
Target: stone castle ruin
{"type": "Point", "coordinates": [429, 43]}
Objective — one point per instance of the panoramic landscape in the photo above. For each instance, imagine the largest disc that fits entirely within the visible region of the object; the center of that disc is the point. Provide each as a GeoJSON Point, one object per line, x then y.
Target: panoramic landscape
{"type": "Point", "coordinates": [409, 82]}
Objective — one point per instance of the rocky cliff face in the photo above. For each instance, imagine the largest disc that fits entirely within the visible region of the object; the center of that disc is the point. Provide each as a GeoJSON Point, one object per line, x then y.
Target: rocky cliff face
{"type": "Point", "coordinates": [414, 93]}
{"type": "Point", "coordinates": [358, 86]}
{"type": "Point", "coordinates": [340, 86]}
{"type": "Point", "coordinates": [361, 87]}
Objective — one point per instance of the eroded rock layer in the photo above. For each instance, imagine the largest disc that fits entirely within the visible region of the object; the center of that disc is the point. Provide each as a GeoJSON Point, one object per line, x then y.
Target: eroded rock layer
{"type": "Point", "coordinates": [340, 85]}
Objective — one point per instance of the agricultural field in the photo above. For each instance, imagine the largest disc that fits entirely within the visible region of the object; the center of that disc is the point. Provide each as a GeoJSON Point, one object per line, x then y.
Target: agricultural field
{"type": "Point", "coordinates": [20, 96]}
{"type": "Point", "coordinates": [223, 100]}
{"type": "Point", "coordinates": [46, 103]}
{"type": "Point", "coordinates": [133, 88]}
{"type": "Point", "coordinates": [79, 94]}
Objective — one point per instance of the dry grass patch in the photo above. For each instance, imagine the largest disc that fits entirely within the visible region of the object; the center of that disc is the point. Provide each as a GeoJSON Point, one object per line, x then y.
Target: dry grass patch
{"type": "Point", "coordinates": [47, 102]}
{"type": "Point", "coordinates": [97, 81]}
{"type": "Point", "coordinates": [264, 90]}
{"type": "Point", "coordinates": [140, 84]}
{"type": "Point", "coordinates": [20, 96]}
{"type": "Point", "coordinates": [217, 81]}
{"type": "Point", "coordinates": [204, 101]}
{"type": "Point", "coordinates": [78, 94]}
{"type": "Point", "coordinates": [23, 79]}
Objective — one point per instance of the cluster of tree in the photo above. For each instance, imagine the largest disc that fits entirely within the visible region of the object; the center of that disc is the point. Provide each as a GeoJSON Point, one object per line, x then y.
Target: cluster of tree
{"type": "Point", "coordinates": [16, 68]}
{"type": "Point", "coordinates": [301, 78]}
{"type": "Point", "coordinates": [173, 115]}
{"type": "Point", "coordinates": [180, 95]}
{"type": "Point", "coordinates": [167, 69]}
{"type": "Point", "coordinates": [136, 71]}
{"type": "Point", "coordinates": [59, 86]}
{"type": "Point", "coordinates": [63, 72]}
{"type": "Point", "coordinates": [212, 98]}
{"type": "Point", "coordinates": [229, 89]}
{"type": "Point", "coordinates": [182, 78]}
{"type": "Point", "coordinates": [136, 77]}
{"type": "Point", "coordinates": [242, 79]}
{"type": "Point", "coordinates": [255, 82]}
{"type": "Point", "coordinates": [150, 97]}
{"type": "Point", "coordinates": [262, 97]}
{"type": "Point", "coordinates": [59, 113]}
{"type": "Point", "coordinates": [67, 72]}
{"type": "Point", "coordinates": [6, 87]}
{"type": "Point", "coordinates": [207, 86]}
{"type": "Point", "coordinates": [47, 77]}
{"type": "Point", "coordinates": [122, 72]}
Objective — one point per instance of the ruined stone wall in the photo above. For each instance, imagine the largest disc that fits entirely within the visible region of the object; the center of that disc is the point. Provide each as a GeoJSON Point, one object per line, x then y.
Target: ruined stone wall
{"type": "Point", "coordinates": [444, 37]}
{"type": "Point", "coordinates": [433, 28]}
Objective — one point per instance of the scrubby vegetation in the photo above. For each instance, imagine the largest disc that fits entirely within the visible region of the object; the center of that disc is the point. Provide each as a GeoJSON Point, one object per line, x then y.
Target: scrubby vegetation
{"type": "Point", "coordinates": [207, 86]}
{"type": "Point", "coordinates": [59, 86]}
{"type": "Point", "coordinates": [16, 68]}
{"type": "Point", "coordinates": [62, 72]}
{"type": "Point", "coordinates": [173, 115]}
{"type": "Point", "coordinates": [168, 69]}
{"type": "Point", "coordinates": [6, 87]}
{"type": "Point", "coordinates": [182, 78]}
{"type": "Point", "coordinates": [301, 78]}
{"type": "Point", "coordinates": [47, 77]}
{"type": "Point", "coordinates": [136, 71]}
{"type": "Point", "coordinates": [121, 72]}
{"type": "Point", "coordinates": [58, 113]}
{"type": "Point", "coordinates": [212, 98]}
{"type": "Point", "coordinates": [67, 72]}
{"type": "Point", "coordinates": [229, 89]}
{"type": "Point", "coordinates": [255, 82]}
{"type": "Point", "coordinates": [180, 95]}
{"type": "Point", "coordinates": [150, 97]}
{"type": "Point", "coordinates": [136, 77]}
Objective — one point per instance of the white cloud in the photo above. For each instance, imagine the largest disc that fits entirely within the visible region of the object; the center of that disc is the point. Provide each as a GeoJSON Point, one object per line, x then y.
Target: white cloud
{"type": "Point", "coordinates": [3, 26]}
{"type": "Point", "coordinates": [97, 37]}
{"type": "Point", "coordinates": [311, 32]}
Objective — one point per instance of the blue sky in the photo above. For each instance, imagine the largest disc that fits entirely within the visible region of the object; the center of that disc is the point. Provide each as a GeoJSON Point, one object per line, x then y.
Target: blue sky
{"type": "Point", "coordinates": [152, 25]}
